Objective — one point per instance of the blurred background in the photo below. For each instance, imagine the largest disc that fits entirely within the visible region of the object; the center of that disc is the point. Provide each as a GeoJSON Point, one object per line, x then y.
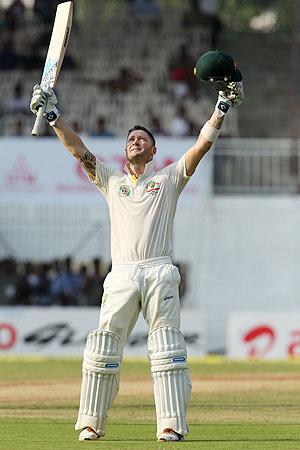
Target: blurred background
{"type": "Point", "coordinates": [236, 231]}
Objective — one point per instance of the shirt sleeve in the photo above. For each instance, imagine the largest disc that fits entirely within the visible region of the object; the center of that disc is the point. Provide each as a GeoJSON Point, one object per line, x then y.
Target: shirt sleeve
{"type": "Point", "coordinates": [177, 174]}
{"type": "Point", "coordinates": [103, 174]}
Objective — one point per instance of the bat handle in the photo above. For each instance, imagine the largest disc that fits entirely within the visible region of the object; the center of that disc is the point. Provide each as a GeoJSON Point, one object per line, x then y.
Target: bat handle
{"type": "Point", "coordinates": [36, 130]}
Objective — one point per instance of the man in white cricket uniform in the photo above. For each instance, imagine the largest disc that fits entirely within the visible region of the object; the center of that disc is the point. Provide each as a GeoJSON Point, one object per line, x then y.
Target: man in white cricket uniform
{"type": "Point", "coordinates": [142, 205]}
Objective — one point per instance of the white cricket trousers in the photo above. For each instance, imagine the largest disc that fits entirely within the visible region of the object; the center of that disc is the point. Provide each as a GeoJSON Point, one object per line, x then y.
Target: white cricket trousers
{"type": "Point", "coordinates": [150, 286]}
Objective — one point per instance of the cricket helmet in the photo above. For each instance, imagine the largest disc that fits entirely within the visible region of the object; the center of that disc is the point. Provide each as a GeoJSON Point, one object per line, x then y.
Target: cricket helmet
{"type": "Point", "coordinates": [217, 66]}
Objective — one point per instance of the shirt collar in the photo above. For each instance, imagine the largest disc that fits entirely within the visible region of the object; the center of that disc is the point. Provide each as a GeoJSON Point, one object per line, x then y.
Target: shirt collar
{"type": "Point", "coordinates": [149, 168]}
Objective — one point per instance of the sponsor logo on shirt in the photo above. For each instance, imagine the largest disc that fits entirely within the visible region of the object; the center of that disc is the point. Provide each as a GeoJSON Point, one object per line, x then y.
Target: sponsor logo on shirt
{"type": "Point", "coordinates": [152, 187]}
{"type": "Point", "coordinates": [169, 297]}
{"type": "Point", "coordinates": [124, 191]}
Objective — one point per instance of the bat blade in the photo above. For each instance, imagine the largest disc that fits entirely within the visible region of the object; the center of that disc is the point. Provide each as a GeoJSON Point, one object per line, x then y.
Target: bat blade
{"type": "Point", "coordinates": [56, 52]}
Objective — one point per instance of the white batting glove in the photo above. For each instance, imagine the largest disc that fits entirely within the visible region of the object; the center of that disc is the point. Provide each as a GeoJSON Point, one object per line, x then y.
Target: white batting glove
{"type": "Point", "coordinates": [222, 105]}
{"type": "Point", "coordinates": [48, 98]}
{"type": "Point", "coordinates": [232, 96]}
{"type": "Point", "coordinates": [234, 93]}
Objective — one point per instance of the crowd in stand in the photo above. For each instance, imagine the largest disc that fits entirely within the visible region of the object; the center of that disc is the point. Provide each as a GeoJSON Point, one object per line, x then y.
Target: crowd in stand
{"type": "Point", "coordinates": [24, 37]}
{"type": "Point", "coordinates": [19, 47]}
{"type": "Point", "coordinates": [57, 282]}
{"type": "Point", "coordinates": [181, 125]}
{"type": "Point", "coordinates": [53, 283]}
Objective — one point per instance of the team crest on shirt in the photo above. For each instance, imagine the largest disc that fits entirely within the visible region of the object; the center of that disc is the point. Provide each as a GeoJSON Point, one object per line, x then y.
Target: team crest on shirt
{"type": "Point", "coordinates": [124, 190]}
{"type": "Point", "coordinates": [152, 187]}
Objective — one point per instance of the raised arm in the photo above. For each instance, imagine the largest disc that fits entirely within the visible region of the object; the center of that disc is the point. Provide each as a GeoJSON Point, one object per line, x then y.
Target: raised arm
{"type": "Point", "coordinates": [211, 130]}
{"type": "Point", "coordinates": [75, 146]}
{"type": "Point", "coordinates": [206, 138]}
{"type": "Point", "coordinates": [67, 136]}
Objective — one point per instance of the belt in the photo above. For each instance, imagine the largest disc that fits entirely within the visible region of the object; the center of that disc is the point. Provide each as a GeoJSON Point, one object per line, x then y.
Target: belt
{"type": "Point", "coordinates": [151, 262]}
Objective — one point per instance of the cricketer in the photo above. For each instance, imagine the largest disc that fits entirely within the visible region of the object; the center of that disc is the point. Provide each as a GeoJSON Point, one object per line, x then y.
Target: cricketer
{"type": "Point", "coordinates": [142, 205]}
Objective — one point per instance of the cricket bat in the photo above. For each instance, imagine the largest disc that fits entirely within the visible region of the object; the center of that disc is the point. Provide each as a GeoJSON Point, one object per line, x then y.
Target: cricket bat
{"type": "Point", "coordinates": [56, 52]}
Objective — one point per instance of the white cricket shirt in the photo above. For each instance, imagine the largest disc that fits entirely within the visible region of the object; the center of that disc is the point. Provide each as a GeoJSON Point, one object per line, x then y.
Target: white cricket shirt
{"type": "Point", "coordinates": [141, 214]}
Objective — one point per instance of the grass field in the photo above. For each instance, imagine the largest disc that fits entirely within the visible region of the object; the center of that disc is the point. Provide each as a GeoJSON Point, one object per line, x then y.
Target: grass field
{"type": "Point", "coordinates": [235, 405]}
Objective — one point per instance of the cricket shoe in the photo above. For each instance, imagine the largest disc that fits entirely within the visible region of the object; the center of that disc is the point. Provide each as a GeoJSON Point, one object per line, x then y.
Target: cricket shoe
{"type": "Point", "coordinates": [88, 434]}
{"type": "Point", "coordinates": [169, 435]}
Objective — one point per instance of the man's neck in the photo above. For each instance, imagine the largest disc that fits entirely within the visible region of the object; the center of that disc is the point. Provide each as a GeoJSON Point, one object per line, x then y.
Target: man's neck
{"type": "Point", "coordinates": [136, 169]}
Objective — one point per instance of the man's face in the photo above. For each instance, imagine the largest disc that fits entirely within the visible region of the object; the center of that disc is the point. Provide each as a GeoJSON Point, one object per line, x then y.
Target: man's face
{"type": "Point", "coordinates": [139, 147]}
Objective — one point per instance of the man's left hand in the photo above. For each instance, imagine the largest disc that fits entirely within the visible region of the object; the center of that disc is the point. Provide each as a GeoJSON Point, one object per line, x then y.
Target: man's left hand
{"type": "Point", "coordinates": [234, 94]}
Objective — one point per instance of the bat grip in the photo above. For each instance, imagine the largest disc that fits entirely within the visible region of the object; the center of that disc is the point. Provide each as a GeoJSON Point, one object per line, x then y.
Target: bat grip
{"type": "Point", "coordinates": [36, 130]}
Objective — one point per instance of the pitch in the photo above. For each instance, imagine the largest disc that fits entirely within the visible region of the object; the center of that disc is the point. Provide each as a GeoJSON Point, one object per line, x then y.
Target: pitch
{"type": "Point", "coordinates": [235, 405]}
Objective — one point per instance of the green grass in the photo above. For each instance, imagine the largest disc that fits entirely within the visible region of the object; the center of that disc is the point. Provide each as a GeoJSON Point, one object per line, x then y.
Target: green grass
{"type": "Point", "coordinates": [14, 368]}
{"type": "Point", "coordinates": [234, 405]}
{"type": "Point", "coordinates": [45, 436]}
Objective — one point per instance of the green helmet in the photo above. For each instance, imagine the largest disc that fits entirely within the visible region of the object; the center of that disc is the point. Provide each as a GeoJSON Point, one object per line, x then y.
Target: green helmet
{"type": "Point", "coordinates": [217, 66]}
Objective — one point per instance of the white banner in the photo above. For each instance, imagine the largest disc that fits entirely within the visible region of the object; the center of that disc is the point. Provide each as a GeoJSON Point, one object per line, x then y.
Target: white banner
{"type": "Point", "coordinates": [42, 171]}
{"type": "Point", "coordinates": [57, 331]}
{"type": "Point", "coordinates": [266, 335]}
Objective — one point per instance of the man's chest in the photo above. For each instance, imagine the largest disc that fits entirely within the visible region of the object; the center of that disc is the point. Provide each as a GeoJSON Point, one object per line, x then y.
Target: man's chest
{"type": "Point", "coordinates": [151, 190]}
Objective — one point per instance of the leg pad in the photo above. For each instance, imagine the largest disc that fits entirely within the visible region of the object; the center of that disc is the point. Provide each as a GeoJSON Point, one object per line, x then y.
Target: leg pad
{"type": "Point", "coordinates": [172, 386]}
{"type": "Point", "coordinates": [100, 379]}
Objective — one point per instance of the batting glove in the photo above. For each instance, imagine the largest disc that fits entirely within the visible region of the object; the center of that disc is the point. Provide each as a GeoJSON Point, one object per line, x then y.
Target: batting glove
{"type": "Point", "coordinates": [234, 93]}
{"type": "Point", "coordinates": [222, 106]}
{"type": "Point", "coordinates": [232, 96]}
{"type": "Point", "coordinates": [48, 98]}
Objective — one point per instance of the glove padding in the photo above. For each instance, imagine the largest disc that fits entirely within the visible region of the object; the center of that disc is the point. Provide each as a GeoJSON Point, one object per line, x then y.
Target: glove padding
{"type": "Point", "coordinates": [234, 94]}
{"type": "Point", "coordinates": [40, 98]}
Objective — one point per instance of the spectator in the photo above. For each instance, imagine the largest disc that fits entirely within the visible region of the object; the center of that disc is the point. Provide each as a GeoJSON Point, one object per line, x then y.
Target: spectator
{"type": "Point", "coordinates": [42, 294]}
{"type": "Point", "coordinates": [9, 58]}
{"type": "Point", "coordinates": [181, 64]}
{"type": "Point", "coordinates": [14, 16]}
{"type": "Point", "coordinates": [83, 285]}
{"type": "Point", "coordinates": [45, 10]}
{"type": "Point", "coordinates": [181, 67]}
{"type": "Point", "coordinates": [32, 280]}
{"type": "Point", "coordinates": [95, 284]}
{"type": "Point", "coordinates": [18, 103]}
{"type": "Point", "coordinates": [33, 56]}
{"type": "Point", "coordinates": [46, 130]}
{"type": "Point", "coordinates": [210, 12]}
{"type": "Point", "coordinates": [181, 125]}
{"type": "Point", "coordinates": [156, 127]}
{"type": "Point", "coordinates": [101, 129]}
{"type": "Point", "coordinates": [33, 285]}
{"type": "Point", "coordinates": [2, 20]}
{"type": "Point", "coordinates": [205, 13]}
{"type": "Point", "coordinates": [77, 127]}
{"type": "Point", "coordinates": [65, 285]}
{"type": "Point", "coordinates": [23, 288]}
{"type": "Point", "coordinates": [18, 128]}
{"type": "Point", "coordinates": [146, 10]}
{"type": "Point", "coordinates": [8, 281]}
{"type": "Point", "coordinates": [125, 80]}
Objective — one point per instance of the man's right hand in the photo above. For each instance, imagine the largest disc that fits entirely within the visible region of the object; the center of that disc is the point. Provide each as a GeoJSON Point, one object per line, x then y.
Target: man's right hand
{"type": "Point", "coordinates": [40, 98]}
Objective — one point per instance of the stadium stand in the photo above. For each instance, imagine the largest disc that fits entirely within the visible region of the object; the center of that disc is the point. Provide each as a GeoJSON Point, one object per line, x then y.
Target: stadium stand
{"type": "Point", "coordinates": [268, 79]}
{"type": "Point", "coordinates": [121, 60]}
